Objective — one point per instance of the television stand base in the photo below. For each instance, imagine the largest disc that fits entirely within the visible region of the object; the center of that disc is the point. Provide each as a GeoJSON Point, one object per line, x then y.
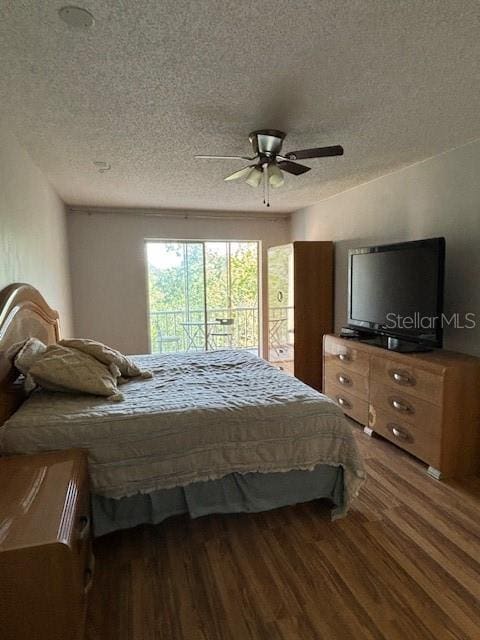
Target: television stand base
{"type": "Point", "coordinates": [394, 344]}
{"type": "Point", "coordinates": [402, 346]}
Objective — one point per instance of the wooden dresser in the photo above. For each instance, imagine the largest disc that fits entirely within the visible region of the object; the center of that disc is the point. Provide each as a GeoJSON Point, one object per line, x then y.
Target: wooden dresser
{"type": "Point", "coordinates": [426, 403]}
{"type": "Point", "coordinates": [46, 565]}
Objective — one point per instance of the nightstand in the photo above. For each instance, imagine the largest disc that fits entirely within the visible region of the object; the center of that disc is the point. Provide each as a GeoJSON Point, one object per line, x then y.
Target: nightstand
{"type": "Point", "coordinates": [46, 564]}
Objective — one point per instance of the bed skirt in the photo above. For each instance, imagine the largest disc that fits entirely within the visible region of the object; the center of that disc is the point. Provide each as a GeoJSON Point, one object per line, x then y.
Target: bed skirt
{"type": "Point", "coordinates": [235, 493]}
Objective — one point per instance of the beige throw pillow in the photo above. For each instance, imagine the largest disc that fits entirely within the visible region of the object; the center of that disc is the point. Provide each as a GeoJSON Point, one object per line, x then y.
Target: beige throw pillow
{"type": "Point", "coordinates": [62, 369]}
{"type": "Point", "coordinates": [108, 356]}
{"type": "Point", "coordinates": [24, 354]}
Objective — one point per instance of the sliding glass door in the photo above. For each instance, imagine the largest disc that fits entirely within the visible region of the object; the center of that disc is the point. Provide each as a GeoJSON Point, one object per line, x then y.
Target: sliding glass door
{"type": "Point", "coordinates": [202, 295]}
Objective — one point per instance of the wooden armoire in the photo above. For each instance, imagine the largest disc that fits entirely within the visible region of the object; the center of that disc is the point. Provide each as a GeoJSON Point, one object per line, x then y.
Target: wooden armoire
{"type": "Point", "coordinates": [300, 307]}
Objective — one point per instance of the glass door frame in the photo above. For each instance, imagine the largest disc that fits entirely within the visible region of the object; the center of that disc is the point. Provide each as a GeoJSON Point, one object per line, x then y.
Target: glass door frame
{"type": "Point", "coordinates": [203, 242]}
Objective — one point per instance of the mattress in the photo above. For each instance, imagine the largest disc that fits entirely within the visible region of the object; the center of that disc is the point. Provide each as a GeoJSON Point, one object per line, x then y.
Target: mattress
{"type": "Point", "coordinates": [202, 416]}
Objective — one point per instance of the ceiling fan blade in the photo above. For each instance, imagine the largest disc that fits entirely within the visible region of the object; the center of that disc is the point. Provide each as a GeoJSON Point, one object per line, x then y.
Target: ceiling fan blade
{"type": "Point", "coordinates": [293, 167]}
{"type": "Point", "coordinates": [241, 173]}
{"type": "Point", "coordinates": [224, 158]}
{"type": "Point", "coordinates": [319, 152]}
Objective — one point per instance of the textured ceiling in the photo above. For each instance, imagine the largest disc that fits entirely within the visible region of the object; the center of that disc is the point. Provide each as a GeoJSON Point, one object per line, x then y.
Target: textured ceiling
{"type": "Point", "coordinates": [155, 82]}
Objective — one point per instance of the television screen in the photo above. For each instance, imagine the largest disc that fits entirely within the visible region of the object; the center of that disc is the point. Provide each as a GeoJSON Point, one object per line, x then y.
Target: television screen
{"type": "Point", "coordinates": [397, 290]}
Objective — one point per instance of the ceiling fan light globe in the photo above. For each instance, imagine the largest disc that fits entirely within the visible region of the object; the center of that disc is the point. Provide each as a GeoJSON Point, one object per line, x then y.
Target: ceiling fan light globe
{"type": "Point", "coordinates": [276, 182]}
{"type": "Point", "coordinates": [254, 178]}
{"type": "Point", "coordinates": [275, 176]}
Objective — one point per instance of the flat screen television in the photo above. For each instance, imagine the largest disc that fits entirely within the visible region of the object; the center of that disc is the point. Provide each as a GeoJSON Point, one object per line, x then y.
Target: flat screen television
{"type": "Point", "coordinates": [396, 291]}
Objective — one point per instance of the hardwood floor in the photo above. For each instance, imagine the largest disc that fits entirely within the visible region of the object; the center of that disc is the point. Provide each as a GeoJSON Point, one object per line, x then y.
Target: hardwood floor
{"type": "Point", "coordinates": [405, 563]}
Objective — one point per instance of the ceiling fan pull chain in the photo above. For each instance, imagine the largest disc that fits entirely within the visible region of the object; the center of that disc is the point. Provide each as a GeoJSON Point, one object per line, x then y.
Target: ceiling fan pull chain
{"type": "Point", "coordinates": [266, 198]}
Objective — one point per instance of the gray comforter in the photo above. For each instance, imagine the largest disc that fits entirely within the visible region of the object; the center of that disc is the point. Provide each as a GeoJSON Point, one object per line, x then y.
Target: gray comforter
{"type": "Point", "coordinates": [201, 417]}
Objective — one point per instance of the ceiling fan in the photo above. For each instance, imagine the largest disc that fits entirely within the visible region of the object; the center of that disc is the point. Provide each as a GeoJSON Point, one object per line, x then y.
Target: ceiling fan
{"type": "Point", "coordinates": [270, 162]}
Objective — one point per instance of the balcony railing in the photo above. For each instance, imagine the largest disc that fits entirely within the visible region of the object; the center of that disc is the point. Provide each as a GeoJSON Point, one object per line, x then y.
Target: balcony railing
{"type": "Point", "coordinates": [236, 328]}
{"type": "Point", "coordinates": [179, 330]}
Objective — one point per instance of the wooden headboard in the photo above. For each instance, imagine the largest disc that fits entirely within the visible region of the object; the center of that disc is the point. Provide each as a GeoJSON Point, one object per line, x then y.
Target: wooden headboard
{"type": "Point", "coordinates": [23, 314]}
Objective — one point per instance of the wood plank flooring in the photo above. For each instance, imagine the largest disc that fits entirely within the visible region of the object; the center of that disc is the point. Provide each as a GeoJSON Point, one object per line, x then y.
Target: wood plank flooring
{"type": "Point", "coordinates": [405, 563]}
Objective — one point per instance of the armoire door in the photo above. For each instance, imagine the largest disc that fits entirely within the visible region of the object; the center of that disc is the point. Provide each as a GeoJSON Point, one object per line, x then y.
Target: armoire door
{"type": "Point", "coordinates": [280, 337]}
{"type": "Point", "coordinates": [300, 307]}
{"type": "Point", "coordinates": [313, 281]}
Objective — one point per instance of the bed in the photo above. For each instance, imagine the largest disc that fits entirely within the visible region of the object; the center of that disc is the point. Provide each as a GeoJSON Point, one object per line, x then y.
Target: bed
{"type": "Point", "coordinates": [214, 432]}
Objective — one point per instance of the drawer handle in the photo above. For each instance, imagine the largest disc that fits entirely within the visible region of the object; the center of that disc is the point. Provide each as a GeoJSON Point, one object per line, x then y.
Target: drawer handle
{"type": "Point", "coordinates": [344, 379]}
{"type": "Point", "coordinates": [402, 377]}
{"type": "Point", "coordinates": [401, 406]}
{"type": "Point", "coordinates": [344, 403]}
{"type": "Point", "coordinates": [84, 528]}
{"type": "Point", "coordinates": [344, 357]}
{"type": "Point", "coordinates": [398, 432]}
{"type": "Point", "coordinates": [88, 580]}
{"type": "Point", "coordinates": [89, 571]}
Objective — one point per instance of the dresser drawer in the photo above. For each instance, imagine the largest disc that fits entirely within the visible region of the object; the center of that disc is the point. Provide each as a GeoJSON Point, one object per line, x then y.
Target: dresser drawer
{"type": "Point", "coordinates": [420, 383]}
{"type": "Point", "coordinates": [350, 404]}
{"type": "Point", "coordinates": [352, 382]}
{"type": "Point", "coordinates": [419, 441]}
{"type": "Point", "coordinates": [345, 352]}
{"type": "Point", "coordinates": [406, 407]}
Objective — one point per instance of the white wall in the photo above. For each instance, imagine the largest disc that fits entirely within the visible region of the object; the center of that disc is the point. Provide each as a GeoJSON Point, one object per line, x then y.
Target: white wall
{"type": "Point", "coordinates": [107, 255]}
{"type": "Point", "coordinates": [33, 237]}
{"type": "Point", "coordinates": [437, 197]}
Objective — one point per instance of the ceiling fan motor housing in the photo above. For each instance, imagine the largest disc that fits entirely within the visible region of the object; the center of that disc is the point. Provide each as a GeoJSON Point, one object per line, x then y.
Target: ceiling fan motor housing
{"type": "Point", "coordinates": [267, 143]}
